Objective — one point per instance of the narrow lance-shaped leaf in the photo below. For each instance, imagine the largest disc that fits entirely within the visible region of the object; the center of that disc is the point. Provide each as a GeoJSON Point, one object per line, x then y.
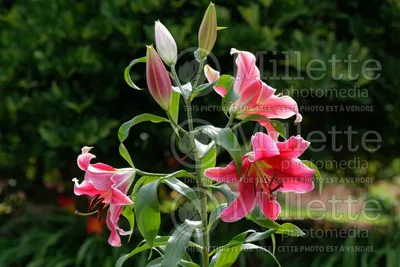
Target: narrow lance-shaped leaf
{"type": "Point", "coordinates": [228, 254]}
{"type": "Point", "coordinates": [258, 217]}
{"type": "Point", "coordinates": [226, 191]}
{"type": "Point", "coordinates": [208, 160]}
{"type": "Point", "coordinates": [123, 131]}
{"type": "Point", "coordinates": [127, 212]}
{"type": "Point", "coordinates": [260, 236]}
{"type": "Point", "coordinates": [127, 76]}
{"type": "Point", "coordinates": [177, 244]}
{"type": "Point", "coordinates": [227, 82]}
{"type": "Point", "coordinates": [185, 190]}
{"type": "Point", "coordinates": [225, 138]}
{"type": "Point", "coordinates": [125, 154]}
{"type": "Point", "coordinates": [249, 247]}
{"type": "Point", "coordinates": [200, 89]}
{"type": "Point", "coordinates": [158, 241]}
{"type": "Point", "coordinates": [174, 109]}
{"type": "Point", "coordinates": [317, 173]}
{"type": "Point", "coordinates": [148, 212]}
{"type": "Point", "coordinates": [290, 230]}
{"type": "Point", "coordinates": [215, 215]}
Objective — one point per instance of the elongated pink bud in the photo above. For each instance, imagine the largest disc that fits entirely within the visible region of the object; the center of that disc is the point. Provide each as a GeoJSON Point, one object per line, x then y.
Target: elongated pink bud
{"type": "Point", "coordinates": [165, 44]}
{"type": "Point", "coordinates": [157, 77]}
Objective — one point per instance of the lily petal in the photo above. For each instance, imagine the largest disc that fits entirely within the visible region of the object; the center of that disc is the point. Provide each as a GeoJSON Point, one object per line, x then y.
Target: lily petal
{"type": "Point", "coordinates": [212, 76]}
{"type": "Point", "coordinates": [112, 223]}
{"type": "Point", "coordinates": [294, 147]}
{"type": "Point", "coordinates": [282, 107]}
{"type": "Point", "coordinates": [297, 184]}
{"type": "Point", "coordinates": [270, 129]}
{"type": "Point", "coordinates": [290, 167]}
{"type": "Point", "coordinates": [270, 207]}
{"type": "Point", "coordinates": [247, 71]}
{"type": "Point", "coordinates": [85, 188]}
{"type": "Point", "coordinates": [242, 205]}
{"type": "Point", "coordinates": [227, 174]}
{"type": "Point", "coordinates": [100, 178]}
{"type": "Point", "coordinates": [84, 158]}
{"type": "Point", "coordinates": [266, 92]}
{"type": "Point", "coordinates": [263, 147]}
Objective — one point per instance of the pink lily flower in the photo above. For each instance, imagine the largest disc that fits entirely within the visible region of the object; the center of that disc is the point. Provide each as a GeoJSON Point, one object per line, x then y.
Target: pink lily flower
{"type": "Point", "coordinates": [255, 96]}
{"type": "Point", "coordinates": [270, 167]}
{"type": "Point", "coordinates": [107, 186]}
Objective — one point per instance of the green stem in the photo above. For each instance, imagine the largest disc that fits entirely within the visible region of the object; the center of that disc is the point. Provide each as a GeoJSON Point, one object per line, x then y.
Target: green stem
{"type": "Point", "coordinates": [231, 118]}
{"type": "Point", "coordinates": [143, 173]}
{"type": "Point", "coordinates": [199, 174]}
{"type": "Point", "coordinates": [237, 125]}
{"type": "Point", "coordinates": [199, 73]}
{"type": "Point", "coordinates": [171, 120]}
{"type": "Point", "coordinates": [200, 184]}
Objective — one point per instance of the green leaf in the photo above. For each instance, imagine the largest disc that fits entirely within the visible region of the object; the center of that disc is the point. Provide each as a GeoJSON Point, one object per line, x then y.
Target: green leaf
{"type": "Point", "coordinates": [185, 190]}
{"type": "Point", "coordinates": [221, 28]}
{"type": "Point", "coordinates": [174, 109]}
{"type": "Point", "coordinates": [317, 173]}
{"type": "Point", "coordinates": [260, 236]}
{"type": "Point", "coordinates": [279, 127]}
{"type": "Point", "coordinates": [226, 191]}
{"type": "Point", "coordinates": [290, 230]}
{"type": "Point", "coordinates": [143, 181]}
{"type": "Point", "coordinates": [228, 254]}
{"type": "Point", "coordinates": [127, 76]}
{"type": "Point", "coordinates": [225, 138]}
{"type": "Point", "coordinates": [208, 160]}
{"type": "Point", "coordinates": [215, 214]}
{"type": "Point", "coordinates": [201, 88]}
{"type": "Point", "coordinates": [155, 263]}
{"type": "Point", "coordinates": [183, 263]}
{"type": "Point", "coordinates": [258, 217]}
{"type": "Point", "coordinates": [180, 173]}
{"type": "Point", "coordinates": [158, 241]}
{"type": "Point", "coordinates": [249, 246]}
{"type": "Point", "coordinates": [125, 154]}
{"type": "Point", "coordinates": [177, 245]}
{"type": "Point", "coordinates": [127, 212]}
{"type": "Point", "coordinates": [273, 243]}
{"type": "Point", "coordinates": [231, 96]}
{"type": "Point", "coordinates": [147, 211]}
{"type": "Point", "coordinates": [123, 131]}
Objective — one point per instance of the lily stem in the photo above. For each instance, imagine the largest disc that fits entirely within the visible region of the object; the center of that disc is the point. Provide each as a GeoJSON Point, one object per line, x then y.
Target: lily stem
{"type": "Point", "coordinates": [199, 173]}
{"type": "Point", "coordinates": [200, 184]}
{"type": "Point", "coordinates": [237, 125]}
{"type": "Point", "coordinates": [196, 82]}
{"type": "Point", "coordinates": [231, 118]}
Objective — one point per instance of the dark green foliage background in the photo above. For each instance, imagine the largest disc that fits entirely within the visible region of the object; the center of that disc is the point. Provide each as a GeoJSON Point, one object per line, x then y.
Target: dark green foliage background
{"type": "Point", "coordinates": [62, 86]}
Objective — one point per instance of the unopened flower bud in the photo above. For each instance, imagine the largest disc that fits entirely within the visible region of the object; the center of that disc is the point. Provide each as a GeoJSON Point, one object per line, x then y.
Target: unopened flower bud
{"type": "Point", "coordinates": [157, 78]}
{"type": "Point", "coordinates": [208, 32]}
{"type": "Point", "coordinates": [165, 44]}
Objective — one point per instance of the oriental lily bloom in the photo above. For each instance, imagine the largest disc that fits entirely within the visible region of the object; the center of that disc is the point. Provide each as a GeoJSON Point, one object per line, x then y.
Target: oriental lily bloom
{"type": "Point", "coordinates": [270, 167]}
{"type": "Point", "coordinates": [255, 96]}
{"type": "Point", "coordinates": [107, 186]}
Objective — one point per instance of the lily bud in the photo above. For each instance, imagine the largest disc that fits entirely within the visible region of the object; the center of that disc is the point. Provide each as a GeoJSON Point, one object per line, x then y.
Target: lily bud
{"type": "Point", "coordinates": [165, 44]}
{"type": "Point", "coordinates": [208, 32]}
{"type": "Point", "coordinates": [157, 78]}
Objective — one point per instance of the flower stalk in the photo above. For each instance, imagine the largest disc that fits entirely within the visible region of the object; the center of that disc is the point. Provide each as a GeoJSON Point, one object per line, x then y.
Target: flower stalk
{"type": "Point", "coordinates": [199, 175]}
